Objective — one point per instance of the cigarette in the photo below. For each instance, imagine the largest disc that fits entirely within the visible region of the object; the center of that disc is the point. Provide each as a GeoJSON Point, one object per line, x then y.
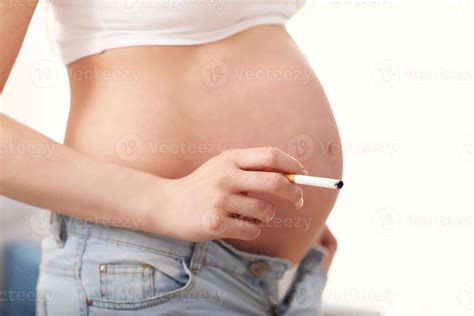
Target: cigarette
{"type": "Point", "coordinates": [315, 181]}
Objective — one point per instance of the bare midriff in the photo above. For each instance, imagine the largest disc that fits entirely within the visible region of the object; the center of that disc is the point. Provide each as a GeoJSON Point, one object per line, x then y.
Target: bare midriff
{"type": "Point", "coordinates": [167, 109]}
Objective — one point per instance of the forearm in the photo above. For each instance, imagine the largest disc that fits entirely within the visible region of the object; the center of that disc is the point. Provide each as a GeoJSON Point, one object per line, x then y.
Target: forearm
{"type": "Point", "coordinates": [36, 170]}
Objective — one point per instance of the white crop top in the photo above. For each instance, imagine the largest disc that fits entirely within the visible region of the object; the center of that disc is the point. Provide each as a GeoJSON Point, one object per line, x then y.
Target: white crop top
{"type": "Point", "coordinates": [87, 27]}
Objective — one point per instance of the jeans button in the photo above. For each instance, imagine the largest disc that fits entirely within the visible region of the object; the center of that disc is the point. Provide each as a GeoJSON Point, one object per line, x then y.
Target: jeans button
{"type": "Point", "coordinates": [258, 269]}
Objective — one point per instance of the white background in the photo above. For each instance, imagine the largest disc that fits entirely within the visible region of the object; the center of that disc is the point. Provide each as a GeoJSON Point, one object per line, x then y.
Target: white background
{"type": "Point", "coordinates": [398, 75]}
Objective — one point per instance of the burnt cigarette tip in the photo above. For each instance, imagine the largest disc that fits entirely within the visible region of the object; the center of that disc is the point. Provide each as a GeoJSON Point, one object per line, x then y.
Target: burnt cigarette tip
{"type": "Point", "coordinates": [340, 184]}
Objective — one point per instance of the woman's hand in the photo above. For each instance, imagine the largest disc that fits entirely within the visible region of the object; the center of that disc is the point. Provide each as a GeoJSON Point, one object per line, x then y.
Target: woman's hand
{"type": "Point", "coordinates": [214, 201]}
{"type": "Point", "coordinates": [328, 241]}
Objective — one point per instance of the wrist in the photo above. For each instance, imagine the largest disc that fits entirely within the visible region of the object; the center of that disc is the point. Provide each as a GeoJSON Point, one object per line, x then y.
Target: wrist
{"type": "Point", "coordinates": [154, 204]}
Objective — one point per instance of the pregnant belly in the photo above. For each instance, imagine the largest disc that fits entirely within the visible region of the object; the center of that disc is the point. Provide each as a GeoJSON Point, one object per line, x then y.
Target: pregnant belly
{"type": "Point", "coordinates": [166, 110]}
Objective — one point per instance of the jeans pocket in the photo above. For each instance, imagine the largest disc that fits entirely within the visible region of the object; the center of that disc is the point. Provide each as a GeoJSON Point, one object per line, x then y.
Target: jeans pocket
{"type": "Point", "coordinates": [126, 282]}
{"type": "Point", "coordinates": [132, 286]}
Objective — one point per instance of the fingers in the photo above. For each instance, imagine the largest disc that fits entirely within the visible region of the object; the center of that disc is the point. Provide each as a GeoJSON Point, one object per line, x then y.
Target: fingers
{"type": "Point", "coordinates": [270, 182]}
{"type": "Point", "coordinates": [329, 242]}
{"type": "Point", "coordinates": [250, 207]}
{"type": "Point", "coordinates": [218, 223]}
{"type": "Point", "coordinates": [241, 229]}
{"type": "Point", "coordinates": [266, 159]}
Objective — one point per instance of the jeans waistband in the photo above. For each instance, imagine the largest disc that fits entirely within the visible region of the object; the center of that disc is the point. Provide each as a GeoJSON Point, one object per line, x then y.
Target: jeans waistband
{"type": "Point", "coordinates": [66, 225]}
{"type": "Point", "coordinates": [216, 253]}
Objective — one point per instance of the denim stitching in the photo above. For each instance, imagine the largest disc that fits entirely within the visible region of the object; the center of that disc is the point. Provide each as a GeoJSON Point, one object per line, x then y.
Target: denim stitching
{"type": "Point", "coordinates": [58, 270]}
{"type": "Point", "coordinates": [131, 245]}
{"type": "Point", "coordinates": [81, 244]}
{"type": "Point", "coordinates": [197, 257]}
{"type": "Point", "coordinates": [126, 269]}
{"type": "Point", "coordinates": [208, 263]}
{"type": "Point", "coordinates": [136, 270]}
{"type": "Point", "coordinates": [114, 305]}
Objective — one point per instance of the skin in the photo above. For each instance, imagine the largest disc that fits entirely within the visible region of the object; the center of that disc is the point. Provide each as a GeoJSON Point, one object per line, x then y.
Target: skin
{"type": "Point", "coordinates": [174, 96]}
{"type": "Point", "coordinates": [328, 241]}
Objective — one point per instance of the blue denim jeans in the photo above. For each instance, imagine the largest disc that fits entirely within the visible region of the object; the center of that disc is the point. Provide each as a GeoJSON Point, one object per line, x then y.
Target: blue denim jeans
{"type": "Point", "coordinates": [91, 269]}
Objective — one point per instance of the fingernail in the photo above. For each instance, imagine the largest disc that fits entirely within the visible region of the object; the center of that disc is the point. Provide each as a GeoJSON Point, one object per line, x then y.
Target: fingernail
{"type": "Point", "coordinates": [300, 203]}
{"type": "Point", "coordinates": [269, 214]}
{"type": "Point", "coordinates": [258, 234]}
